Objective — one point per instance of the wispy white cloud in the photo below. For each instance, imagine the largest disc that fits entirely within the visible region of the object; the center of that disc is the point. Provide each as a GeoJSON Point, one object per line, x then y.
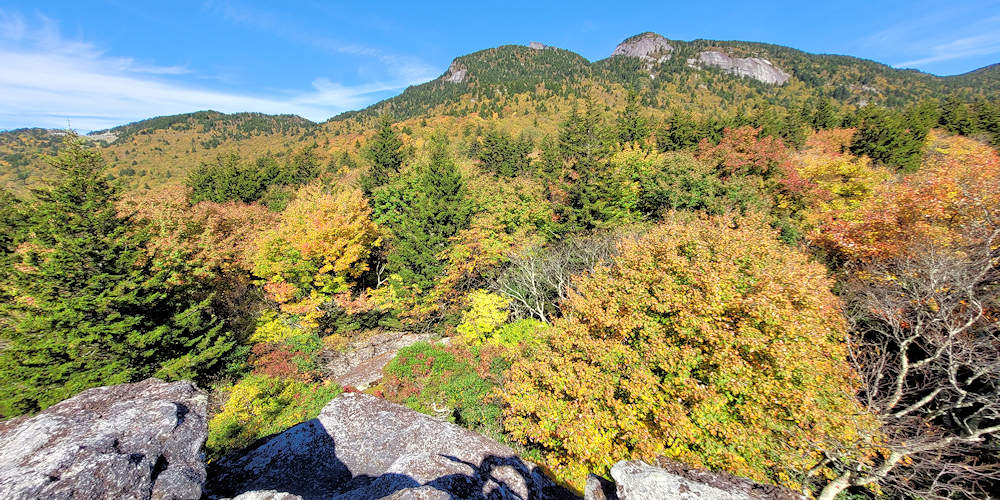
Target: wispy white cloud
{"type": "Point", "coordinates": [979, 45]}
{"type": "Point", "coordinates": [400, 67]}
{"type": "Point", "coordinates": [948, 33]}
{"type": "Point", "coordinates": [47, 79]}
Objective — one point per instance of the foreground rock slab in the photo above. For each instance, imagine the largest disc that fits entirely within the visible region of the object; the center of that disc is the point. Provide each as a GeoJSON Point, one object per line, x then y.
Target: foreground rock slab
{"type": "Point", "coordinates": [363, 447]}
{"type": "Point", "coordinates": [129, 441]}
{"type": "Point", "coordinates": [669, 480]}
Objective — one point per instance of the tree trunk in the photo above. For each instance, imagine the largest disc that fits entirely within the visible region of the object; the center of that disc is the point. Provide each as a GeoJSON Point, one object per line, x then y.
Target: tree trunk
{"type": "Point", "coordinates": [834, 487]}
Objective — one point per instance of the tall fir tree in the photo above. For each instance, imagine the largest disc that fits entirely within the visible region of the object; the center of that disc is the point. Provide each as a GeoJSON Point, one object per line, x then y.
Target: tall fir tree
{"type": "Point", "coordinates": [501, 154]}
{"type": "Point", "coordinates": [632, 125]}
{"type": "Point", "coordinates": [438, 208]}
{"type": "Point", "coordinates": [90, 306]}
{"type": "Point", "coordinates": [385, 153]}
{"type": "Point", "coordinates": [679, 131]}
{"type": "Point", "coordinates": [888, 137]}
{"type": "Point", "coordinates": [584, 145]}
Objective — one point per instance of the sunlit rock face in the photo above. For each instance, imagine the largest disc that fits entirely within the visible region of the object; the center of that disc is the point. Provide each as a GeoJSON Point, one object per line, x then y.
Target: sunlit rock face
{"type": "Point", "coordinates": [456, 73]}
{"type": "Point", "coordinates": [753, 67]}
{"type": "Point", "coordinates": [649, 47]}
{"type": "Point", "coordinates": [139, 441]}
{"type": "Point", "coordinates": [361, 447]}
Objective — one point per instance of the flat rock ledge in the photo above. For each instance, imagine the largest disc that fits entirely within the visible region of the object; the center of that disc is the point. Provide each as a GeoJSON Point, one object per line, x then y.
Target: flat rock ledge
{"type": "Point", "coordinates": [129, 441]}
{"type": "Point", "coordinates": [363, 447]}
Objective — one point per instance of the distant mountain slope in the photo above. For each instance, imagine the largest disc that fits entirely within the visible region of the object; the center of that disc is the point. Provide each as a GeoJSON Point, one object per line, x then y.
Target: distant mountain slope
{"type": "Point", "coordinates": [522, 89]}
{"type": "Point", "coordinates": [156, 150]}
{"type": "Point", "coordinates": [226, 126]}
{"type": "Point", "coordinates": [512, 69]}
{"type": "Point", "coordinates": [504, 70]}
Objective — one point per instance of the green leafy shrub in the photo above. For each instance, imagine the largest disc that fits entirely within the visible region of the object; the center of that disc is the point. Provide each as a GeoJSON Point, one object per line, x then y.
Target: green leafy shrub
{"type": "Point", "coordinates": [447, 380]}
{"type": "Point", "coordinates": [261, 405]}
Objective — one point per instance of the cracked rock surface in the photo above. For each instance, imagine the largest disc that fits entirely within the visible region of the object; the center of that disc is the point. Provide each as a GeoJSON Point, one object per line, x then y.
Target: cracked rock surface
{"type": "Point", "coordinates": [128, 441]}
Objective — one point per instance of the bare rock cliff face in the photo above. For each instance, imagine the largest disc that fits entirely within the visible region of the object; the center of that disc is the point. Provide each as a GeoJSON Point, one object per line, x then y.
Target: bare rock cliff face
{"type": "Point", "coordinates": [754, 67]}
{"type": "Point", "coordinates": [649, 47]}
{"type": "Point", "coordinates": [129, 441]}
{"type": "Point", "coordinates": [456, 73]}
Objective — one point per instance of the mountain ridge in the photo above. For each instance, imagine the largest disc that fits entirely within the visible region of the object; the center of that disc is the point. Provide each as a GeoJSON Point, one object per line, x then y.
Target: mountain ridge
{"type": "Point", "coordinates": [523, 88]}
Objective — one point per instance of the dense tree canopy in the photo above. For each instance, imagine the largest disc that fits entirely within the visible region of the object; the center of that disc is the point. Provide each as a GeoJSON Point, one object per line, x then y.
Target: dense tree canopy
{"type": "Point", "coordinates": [90, 306]}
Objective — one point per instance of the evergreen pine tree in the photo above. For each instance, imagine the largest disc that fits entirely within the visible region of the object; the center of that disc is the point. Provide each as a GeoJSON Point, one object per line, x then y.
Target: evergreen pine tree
{"type": "Point", "coordinates": [956, 117]}
{"type": "Point", "coordinates": [678, 132]}
{"type": "Point", "coordinates": [632, 126]}
{"type": "Point", "coordinates": [90, 306]}
{"type": "Point", "coordinates": [439, 209]}
{"type": "Point", "coordinates": [385, 154]}
{"type": "Point", "coordinates": [582, 141]}
{"type": "Point", "coordinates": [501, 154]}
{"type": "Point", "coordinates": [887, 136]}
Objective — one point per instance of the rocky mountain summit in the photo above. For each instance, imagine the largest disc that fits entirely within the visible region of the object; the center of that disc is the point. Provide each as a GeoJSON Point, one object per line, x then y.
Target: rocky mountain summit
{"type": "Point", "coordinates": [143, 441]}
{"type": "Point", "coordinates": [649, 47]}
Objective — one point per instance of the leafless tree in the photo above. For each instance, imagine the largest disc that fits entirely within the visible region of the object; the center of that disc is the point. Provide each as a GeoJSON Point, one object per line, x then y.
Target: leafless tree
{"type": "Point", "coordinates": [926, 344]}
{"type": "Point", "coordinates": [537, 281]}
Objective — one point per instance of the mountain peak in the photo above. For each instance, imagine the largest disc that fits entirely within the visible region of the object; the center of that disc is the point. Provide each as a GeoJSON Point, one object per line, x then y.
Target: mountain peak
{"type": "Point", "coordinates": [647, 46]}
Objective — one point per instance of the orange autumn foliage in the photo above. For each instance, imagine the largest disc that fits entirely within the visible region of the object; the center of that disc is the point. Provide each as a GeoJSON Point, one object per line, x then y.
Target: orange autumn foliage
{"type": "Point", "coordinates": [212, 238]}
{"type": "Point", "coordinates": [831, 142]}
{"type": "Point", "coordinates": [955, 187]}
{"type": "Point", "coordinates": [695, 345]}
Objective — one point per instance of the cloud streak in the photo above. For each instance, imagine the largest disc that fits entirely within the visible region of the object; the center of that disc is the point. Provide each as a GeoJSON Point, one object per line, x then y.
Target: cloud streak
{"type": "Point", "coordinates": [980, 45]}
{"type": "Point", "coordinates": [942, 35]}
{"type": "Point", "coordinates": [403, 68]}
{"type": "Point", "coordinates": [47, 79]}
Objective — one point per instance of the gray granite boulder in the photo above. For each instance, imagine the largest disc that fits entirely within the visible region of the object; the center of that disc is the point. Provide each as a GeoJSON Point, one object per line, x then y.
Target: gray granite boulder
{"type": "Point", "coordinates": [129, 441]}
{"type": "Point", "coordinates": [669, 480]}
{"type": "Point", "coordinates": [363, 447]}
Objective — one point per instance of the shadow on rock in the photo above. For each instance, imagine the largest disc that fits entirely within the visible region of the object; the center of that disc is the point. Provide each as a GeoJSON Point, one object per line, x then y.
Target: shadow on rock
{"type": "Point", "coordinates": [363, 447]}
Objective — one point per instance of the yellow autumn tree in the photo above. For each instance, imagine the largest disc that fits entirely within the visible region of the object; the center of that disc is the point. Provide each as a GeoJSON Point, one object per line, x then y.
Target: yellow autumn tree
{"type": "Point", "coordinates": [319, 249]}
{"type": "Point", "coordinates": [706, 341]}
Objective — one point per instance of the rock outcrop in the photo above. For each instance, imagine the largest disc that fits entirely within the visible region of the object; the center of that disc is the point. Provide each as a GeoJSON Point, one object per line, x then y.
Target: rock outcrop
{"type": "Point", "coordinates": [753, 67]}
{"type": "Point", "coordinates": [363, 447]}
{"type": "Point", "coordinates": [456, 73]}
{"type": "Point", "coordinates": [537, 46]}
{"type": "Point", "coordinates": [669, 480]}
{"type": "Point", "coordinates": [135, 441]}
{"type": "Point", "coordinates": [143, 441]}
{"type": "Point", "coordinates": [361, 365]}
{"type": "Point", "coordinates": [649, 47]}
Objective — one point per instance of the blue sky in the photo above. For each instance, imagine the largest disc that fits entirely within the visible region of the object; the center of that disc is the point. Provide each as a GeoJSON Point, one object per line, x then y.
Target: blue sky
{"type": "Point", "coordinates": [103, 63]}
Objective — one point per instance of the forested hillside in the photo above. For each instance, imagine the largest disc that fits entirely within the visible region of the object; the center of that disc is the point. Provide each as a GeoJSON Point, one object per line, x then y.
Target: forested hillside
{"type": "Point", "coordinates": [646, 256]}
{"type": "Point", "coordinates": [517, 88]}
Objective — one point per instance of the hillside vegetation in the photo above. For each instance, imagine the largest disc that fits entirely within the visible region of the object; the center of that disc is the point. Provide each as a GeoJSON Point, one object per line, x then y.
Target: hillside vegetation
{"type": "Point", "coordinates": [511, 87]}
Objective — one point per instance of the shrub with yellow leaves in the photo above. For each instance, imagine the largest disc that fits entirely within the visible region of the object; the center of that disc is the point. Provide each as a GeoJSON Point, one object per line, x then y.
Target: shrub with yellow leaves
{"type": "Point", "coordinates": [319, 248]}
{"type": "Point", "coordinates": [486, 312]}
{"type": "Point", "coordinates": [706, 341]}
{"type": "Point", "coordinates": [261, 405]}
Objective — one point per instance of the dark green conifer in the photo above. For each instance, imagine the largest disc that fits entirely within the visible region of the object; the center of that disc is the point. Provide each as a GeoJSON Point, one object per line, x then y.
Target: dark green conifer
{"type": "Point", "coordinates": [385, 154]}
{"type": "Point", "coordinates": [90, 306]}
{"type": "Point", "coordinates": [424, 213]}
{"type": "Point", "coordinates": [632, 125]}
